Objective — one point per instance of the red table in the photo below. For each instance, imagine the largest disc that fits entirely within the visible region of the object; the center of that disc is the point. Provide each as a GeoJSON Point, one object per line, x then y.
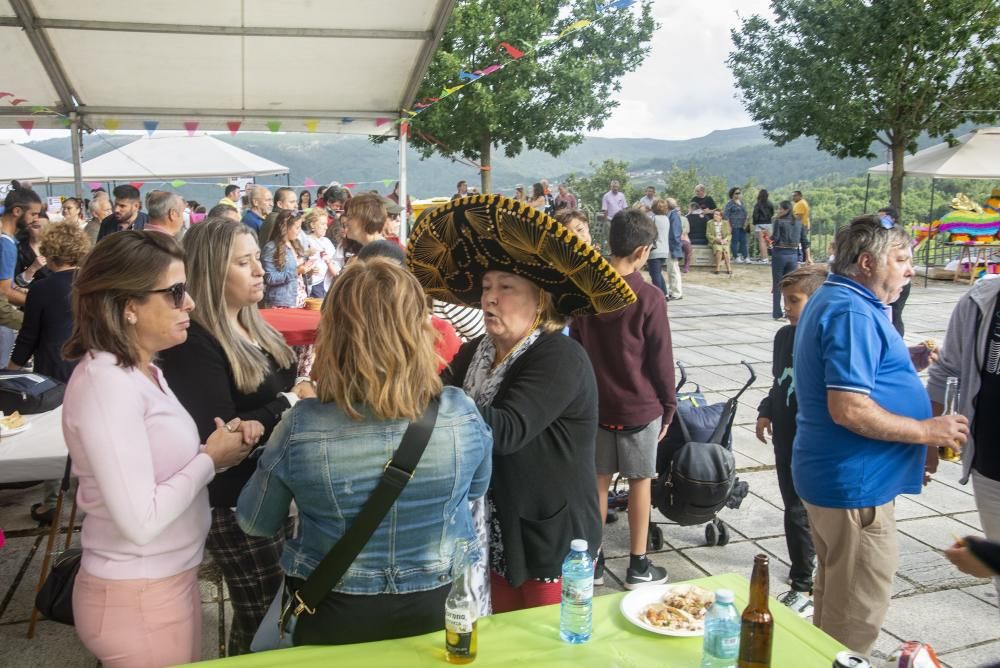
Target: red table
{"type": "Point", "coordinates": [297, 325]}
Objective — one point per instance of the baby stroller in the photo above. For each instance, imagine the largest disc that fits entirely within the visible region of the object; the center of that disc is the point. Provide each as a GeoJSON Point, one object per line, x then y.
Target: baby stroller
{"type": "Point", "coordinates": [697, 471]}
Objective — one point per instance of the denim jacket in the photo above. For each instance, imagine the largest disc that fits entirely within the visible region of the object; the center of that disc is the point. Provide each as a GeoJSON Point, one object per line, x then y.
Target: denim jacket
{"type": "Point", "coordinates": [329, 464]}
{"type": "Point", "coordinates": [280, 285]}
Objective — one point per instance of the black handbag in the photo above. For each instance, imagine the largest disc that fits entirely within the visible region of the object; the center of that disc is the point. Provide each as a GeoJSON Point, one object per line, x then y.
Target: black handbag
{"type": "Point", "coordinates": [397, 473]}
{"type": "Point", "coordinates": [55, 597]}
{"type": "Point", "coordinates": [29, 393]}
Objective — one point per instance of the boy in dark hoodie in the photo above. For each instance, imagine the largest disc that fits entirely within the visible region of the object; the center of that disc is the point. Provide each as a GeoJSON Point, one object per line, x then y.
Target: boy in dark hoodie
{"type": "Point", "coordinates": [776, 418]}
{"type": "Point", "coordinates": [633, 361]}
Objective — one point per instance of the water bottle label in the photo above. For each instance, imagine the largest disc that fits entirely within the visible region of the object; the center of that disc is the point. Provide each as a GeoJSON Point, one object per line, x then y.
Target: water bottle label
{"type": "Point", "coordinates": [728, 648]}
{"type": "Point", "coordinates": [458, 620]}
{"type": "Point", "coordinates": [578, 591]}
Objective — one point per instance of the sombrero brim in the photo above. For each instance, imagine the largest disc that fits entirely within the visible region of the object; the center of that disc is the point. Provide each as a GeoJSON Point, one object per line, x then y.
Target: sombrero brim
{"type": "Point", "coordinates": [454, 245]}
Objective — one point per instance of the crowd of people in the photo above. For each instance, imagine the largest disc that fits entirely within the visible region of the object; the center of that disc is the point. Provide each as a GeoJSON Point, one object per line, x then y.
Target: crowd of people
{"type": "Point", "coordinates": [545, 370]}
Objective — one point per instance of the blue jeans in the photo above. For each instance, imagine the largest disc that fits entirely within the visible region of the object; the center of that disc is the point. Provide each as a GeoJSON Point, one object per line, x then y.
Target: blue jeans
{"type": "Point", "coordinates": [740, 245]}
{"type": "Point", "coordinates": [655, 267]}
{"type": "Point", "coordinates": [783, 261]}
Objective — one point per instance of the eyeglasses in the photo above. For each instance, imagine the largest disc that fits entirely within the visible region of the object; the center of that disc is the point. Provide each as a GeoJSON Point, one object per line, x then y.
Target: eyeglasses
{"type": "Point", "coordinates": [177, 292]}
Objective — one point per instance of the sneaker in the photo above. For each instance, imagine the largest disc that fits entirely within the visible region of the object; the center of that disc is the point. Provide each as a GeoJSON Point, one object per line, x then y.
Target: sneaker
{"type": "Point", "coordinates": [798, 601]}
{"type": "Point", "coordinates": [738, 260]}
{"type": "Point", "coordinates": [653, 575]}
{"type": "Point", "coordinates": [599, 570]}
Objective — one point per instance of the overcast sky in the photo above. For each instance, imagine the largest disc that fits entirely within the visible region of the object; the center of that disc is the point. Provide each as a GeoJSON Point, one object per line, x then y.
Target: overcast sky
{"type": "Point", "coordinates": [683, 89]}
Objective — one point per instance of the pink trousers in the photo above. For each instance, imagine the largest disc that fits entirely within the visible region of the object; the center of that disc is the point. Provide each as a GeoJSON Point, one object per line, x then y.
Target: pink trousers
{"type": "Point", "coordinates": [139, 623]}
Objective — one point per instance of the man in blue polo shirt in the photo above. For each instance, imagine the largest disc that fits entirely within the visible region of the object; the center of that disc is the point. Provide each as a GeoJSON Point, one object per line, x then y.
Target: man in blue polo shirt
{"type": "Point", "coordinates": [260, 201]}
{"type": "Point", "coordinates": [864, 428]}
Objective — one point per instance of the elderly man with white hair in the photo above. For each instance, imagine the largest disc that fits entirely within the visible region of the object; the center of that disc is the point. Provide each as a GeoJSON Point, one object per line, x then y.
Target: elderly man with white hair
{"type": "Point", "coordinates": [864, 428]}
{"type": "Point", "coordinates": [260, 201]}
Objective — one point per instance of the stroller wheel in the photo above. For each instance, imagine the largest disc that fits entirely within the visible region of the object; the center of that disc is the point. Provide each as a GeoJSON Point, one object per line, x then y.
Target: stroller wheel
{"type": "Point", "coordinates": [723, 533]}
{"type": "Point", "coordinates": [711, 535]}
{"type": "Point", "coordinates": [612, 516]}
{"type": "Point", "coordinates": [655, 537]}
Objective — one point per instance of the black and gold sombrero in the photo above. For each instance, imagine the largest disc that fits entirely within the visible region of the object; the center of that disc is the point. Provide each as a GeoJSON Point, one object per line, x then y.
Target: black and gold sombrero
{"type": "Point", "coordinates": [455, 244]}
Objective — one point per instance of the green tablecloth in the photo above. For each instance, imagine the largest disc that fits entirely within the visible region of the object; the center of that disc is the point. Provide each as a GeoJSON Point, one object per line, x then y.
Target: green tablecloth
{"type": "Point", "coordinates": [531, 637]}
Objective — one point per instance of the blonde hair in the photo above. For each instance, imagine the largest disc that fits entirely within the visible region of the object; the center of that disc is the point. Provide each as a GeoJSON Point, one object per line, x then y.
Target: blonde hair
{"type": "Point", "coordinates": [550, 320]}
{"type": "Point", "coordinates": [311, 216]}
{"type": "Point", "coordinates": [64, 244]}
{"type": "Point", "coordinates": [376, 345]}
{"type": "Point", "coordinates": [208, 249]}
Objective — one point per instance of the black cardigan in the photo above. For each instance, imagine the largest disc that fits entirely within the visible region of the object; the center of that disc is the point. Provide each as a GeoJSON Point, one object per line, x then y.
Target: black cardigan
{"type": "Point", "coordinates": [48, 323]}
{"type": "Point", "coordinates": [198, 372]}
{"type": "Point", "coordinates": [544, 421]}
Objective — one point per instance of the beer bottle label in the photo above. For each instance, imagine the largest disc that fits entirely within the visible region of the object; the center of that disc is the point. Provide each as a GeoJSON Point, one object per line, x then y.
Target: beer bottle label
{"type": "Point", "coordinates": [458, 620]}
{"type": "Point", "coordinates": [459, 644]}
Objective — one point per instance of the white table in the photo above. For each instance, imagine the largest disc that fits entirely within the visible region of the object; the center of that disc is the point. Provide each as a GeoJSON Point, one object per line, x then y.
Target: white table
{"type": "Point", "coordinates": [37, 453]}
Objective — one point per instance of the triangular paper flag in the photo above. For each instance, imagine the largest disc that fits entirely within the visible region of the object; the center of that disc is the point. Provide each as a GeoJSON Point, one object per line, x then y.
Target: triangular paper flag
{"type": "Point", "coordinates": [67, 122]}
{"type": "Point", "coordinates": [150, 127]}
{"type": "Point", "coordinates": [449, 91]}
{"type": "Point", "coordinates": [137, 184]}
{"type": "Point", "coordinates": [191, 127]}
{"type": "Point", "coordinates": [111, 124]}
{"type": "Point", "coordinates": [27, 126]}
{"type": "Point", "coordinates": [379, 122]}
{"type": "Point", "coordinates": [17, 101]}
{"type": "Point", "coordinates": [404, 129]}
{"type": "Point", "coordinates": [40, 110]}
{"type": "Point", "coordinates": [511, 51]}
{"type": "Point", "coordinates": [311, 125]}
{"type": "Point", "coordinates": [308, 183]}
{"type": "Point", "coordinates": [234, 126]}
{"type": "Point", "coordinates": [388, 182]}
{"type": "Point", "coordinates": [177, 183]}
{"type": "Point", "coordinates": [5, 94]}
{"type": "Point", "coordinates": [350, 186]}
{"type": "Point", "coordinates": [489, 70]}
{"type": "Point", "coordinates": [274, 126]}
{"type": "Point", "coordinates": [574, 27]}
{"type": "Point", "coordinates": [346, 120]}
{"type": "Point", "coordinates": [94, 185]}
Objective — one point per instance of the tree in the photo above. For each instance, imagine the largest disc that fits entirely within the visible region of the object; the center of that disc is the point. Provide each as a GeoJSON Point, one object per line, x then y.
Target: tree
{"type": "Point", "coordinates": [545, 100]}
{"type": "Point", "coordinates": [858, 73]}
{"type": "Point", "coordinates": [589, 190]}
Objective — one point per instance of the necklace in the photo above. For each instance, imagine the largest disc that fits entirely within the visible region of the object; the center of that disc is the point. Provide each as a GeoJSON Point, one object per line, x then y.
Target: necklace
{"type": "Point", "coordinates": [531, 330]}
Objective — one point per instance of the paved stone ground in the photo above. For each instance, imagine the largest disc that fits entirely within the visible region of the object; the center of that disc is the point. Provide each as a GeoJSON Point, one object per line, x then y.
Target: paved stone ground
{"type": "Point", "coordinates": [932, 601]}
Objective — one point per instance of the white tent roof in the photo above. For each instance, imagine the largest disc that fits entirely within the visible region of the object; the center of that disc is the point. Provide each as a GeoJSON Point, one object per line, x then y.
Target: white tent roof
{"type": "Point", "coordinates": [174, 157]}
{"type": "Point", "coordinates": [976, 156]}
{"type": "Point", "coordinates": [331, 66]}
{"type": "Point", "coordinates": [21, 162]}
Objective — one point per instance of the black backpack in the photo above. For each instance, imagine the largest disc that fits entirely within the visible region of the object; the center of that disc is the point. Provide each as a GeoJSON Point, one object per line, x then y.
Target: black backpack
{"type": "Point", "coordinates": [697, 479]}
{"type": "Point", "coordinates": [29, 393]}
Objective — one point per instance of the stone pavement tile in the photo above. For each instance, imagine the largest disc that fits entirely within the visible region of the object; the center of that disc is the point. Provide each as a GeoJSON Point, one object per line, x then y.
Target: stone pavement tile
{"type": "Point", "coordinates": [945, 499]}
{"type": "Point", "coordinates": [15, 506]}
{"type": "Point", "coordinates": [720, 354]}
{"type": "Point", "coordinates": [932, 570]}
{"type": "Point", "coordinates": [678, 568]}
{"type": "Point", "coordinates": [744, 462]}
{"type": "Point", "coordinates": [765, 485]}
{"type": "Point", "coordinates": [984, 592]}
{"type": "Point", "coordinates": [970, 518]}
{"type": "Point", "coordinates": [677, 536]}
{"type": "Point", "coordinates": [948, 620]}
{"type": "Point", "coordinates": [691, 357]}
{"type": "Point", "coordinates": [757, 354]}
{"type": "Point", "coordinates": [885, 644]}
{"type": "Point", "coordinates": [737, 558]}
{"type": "Point", "coordinates": [937, 532]}
{"type": "Point", "coordinates": [981, 655]}
{"type": "Point", "coordinates": [745, 441]}
{"type": "Point", "coordinates": [53, 645]}
{"type": "Point", "coordinates": [23, 599]}
{"type": "Point", "coordinates": [907, 508]}
{"type": "Point", "coordinates": [14, 553]}
{"type": "Point", "coordinates": [755, 518]}
{"type": "Point", "coordinates": [948, 473]}
{"type": "Point", "coordinates": [211, 648]}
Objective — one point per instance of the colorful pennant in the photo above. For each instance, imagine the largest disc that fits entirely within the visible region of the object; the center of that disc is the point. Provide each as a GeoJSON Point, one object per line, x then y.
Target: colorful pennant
{"type": "Point", "coordinates": [191, 127]}
{"type": "Point", "coordinates": [137, 184]}
{"type": "Point", "coordinates": [150, 127]}
{"type": "Point", "coordinates": [573, 27]}
{"type": "Point", "coordinates": [17, 101]}
{"type": "Point", "coordinates": [311, 125]}
{"type": "Point", "coordinates": [274, 126]}
{"type": "Point", "coordinates": [27, 126]}
{"type": "Point", "coordinates": [379, 122]}
{"type": "Point", "coordinates": [95, 185]}
{"type": "Point", "coordinates": [308, 183]}
{"type": "Point", "coordinates": [388, 182]}
{"type": "Point", "coordinates": [511, 51]}
{"type": "Point", "coordinates": [111, 124]}
{"type": "Point", "coordinates": [234, 126]}
{"type": "Point", "coordinates": [177, 183]}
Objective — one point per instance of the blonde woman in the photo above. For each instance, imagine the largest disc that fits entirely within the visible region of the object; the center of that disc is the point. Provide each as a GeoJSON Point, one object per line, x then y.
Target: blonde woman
{"type": "Point", "coordinates": [377, 371]}
{"type": "Point", "coordinates": [234, 365]}
{"type": "Point", "coordinates": [327, 262]}
{"type": "Point", "coordinates": [720, 236]}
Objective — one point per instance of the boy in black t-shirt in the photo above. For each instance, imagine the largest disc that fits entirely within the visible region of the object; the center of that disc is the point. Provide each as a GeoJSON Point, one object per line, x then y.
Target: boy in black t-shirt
{"type": "Point", "coordinates": [776, 417]}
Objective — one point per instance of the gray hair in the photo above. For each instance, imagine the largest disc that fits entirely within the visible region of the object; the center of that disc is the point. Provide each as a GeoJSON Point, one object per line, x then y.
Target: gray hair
{"type": "Point", "coordinates": [865, 234]}
{"type": "Point", "coordinates": [92, 207]}
{"type": "Point", "coordinates": [253, 191]}
{"type": "Point", "coordinates": [160, 203]}
{"type": "Point", "coordinates": [671, 203]}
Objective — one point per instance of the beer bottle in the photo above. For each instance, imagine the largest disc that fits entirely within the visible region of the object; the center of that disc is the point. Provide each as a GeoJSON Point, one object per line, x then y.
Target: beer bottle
{"type": "Point", "coordinates": [757, 625]}
{"type": "Point", "coordinates": [460, 611]}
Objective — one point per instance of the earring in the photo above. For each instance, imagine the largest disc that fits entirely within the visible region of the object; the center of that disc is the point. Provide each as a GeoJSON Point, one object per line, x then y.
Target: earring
{"type": "Point", "coordinates": [130, 319]}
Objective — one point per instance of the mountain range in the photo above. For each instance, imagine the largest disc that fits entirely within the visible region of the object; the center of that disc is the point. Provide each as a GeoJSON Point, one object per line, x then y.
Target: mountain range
{"type": "Point", "coordinates": [739, 155]}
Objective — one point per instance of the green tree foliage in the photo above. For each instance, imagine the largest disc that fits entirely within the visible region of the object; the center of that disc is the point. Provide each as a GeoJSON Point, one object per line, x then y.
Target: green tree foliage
{"type": "Point", "coordinates": [589, 190]}
{"type": "Point", "coordinates": [546, 100]}
{"type": "Point", "coordinates": [855, 72]}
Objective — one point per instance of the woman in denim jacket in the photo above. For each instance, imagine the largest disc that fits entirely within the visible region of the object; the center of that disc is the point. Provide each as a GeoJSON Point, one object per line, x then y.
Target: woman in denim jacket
{"type": "Point", "coordinates": [280, 257]}
{"type": "Point", "coordinates": [376, 370]}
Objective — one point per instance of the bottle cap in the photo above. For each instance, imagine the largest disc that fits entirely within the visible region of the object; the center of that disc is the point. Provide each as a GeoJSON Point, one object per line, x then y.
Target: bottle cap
{"type": "Point", "coordinates": [723, 596]}
{"type": "Point", "coordinates": [578, 545]}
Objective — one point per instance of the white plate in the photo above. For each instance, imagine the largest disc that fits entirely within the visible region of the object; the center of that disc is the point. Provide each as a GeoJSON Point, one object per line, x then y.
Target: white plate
{"type": "Point", "coordinates": [4, 431]}
{"type": "Point", "coordinates": [636, 601]}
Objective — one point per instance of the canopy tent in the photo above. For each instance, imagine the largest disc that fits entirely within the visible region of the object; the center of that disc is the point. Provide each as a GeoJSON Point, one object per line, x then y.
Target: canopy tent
{"type": "Point", "coordinates": [975, 156]}
{"type": "Point", "coordinates": [296, 65]}
{"type": "Point", "coordinates": [21, 162]}
{"type": "Point", "coordinates": [173, 157]}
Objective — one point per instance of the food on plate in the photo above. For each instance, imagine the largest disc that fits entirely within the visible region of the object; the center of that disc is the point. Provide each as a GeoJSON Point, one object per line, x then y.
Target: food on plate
{"type": "Point", "coordinates": [12, 421]}
{"type": "Point", "coordinates": [931, 345]}
{"type": "Point", "coordinates": [681, 609]}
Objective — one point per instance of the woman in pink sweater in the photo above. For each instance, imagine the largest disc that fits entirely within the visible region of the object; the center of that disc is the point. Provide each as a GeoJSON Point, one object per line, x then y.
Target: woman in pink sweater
{"type": "Point", "coordinates": [141, 467]}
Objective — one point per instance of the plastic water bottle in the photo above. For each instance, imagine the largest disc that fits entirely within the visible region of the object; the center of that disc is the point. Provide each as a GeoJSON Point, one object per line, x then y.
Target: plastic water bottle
{"type": "Point", "coordinates": [575, 615]}
{"type": "Point", "coordinates": [722, 633]}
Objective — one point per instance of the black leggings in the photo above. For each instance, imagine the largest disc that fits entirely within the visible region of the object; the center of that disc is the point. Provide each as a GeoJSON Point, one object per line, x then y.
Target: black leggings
{"type": "Point", "coordinates": [343, 619]}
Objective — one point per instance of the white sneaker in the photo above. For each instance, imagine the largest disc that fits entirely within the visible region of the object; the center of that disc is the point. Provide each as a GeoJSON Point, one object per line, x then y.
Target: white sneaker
{"type": "Point", "coordinates": [799, 602]}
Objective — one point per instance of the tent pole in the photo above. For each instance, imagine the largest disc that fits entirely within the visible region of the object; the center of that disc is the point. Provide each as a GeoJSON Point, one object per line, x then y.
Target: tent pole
{"type": "Point", "coordinates": [76, 139]}
{"type": "Point", "coordinates": [404, 221]}
{"type": "Point", "coordinates": [288, 179]}
{"type": "Point", "coordinates": [930, 220]}
{"type": "Point", "coordinates": [868, 185]}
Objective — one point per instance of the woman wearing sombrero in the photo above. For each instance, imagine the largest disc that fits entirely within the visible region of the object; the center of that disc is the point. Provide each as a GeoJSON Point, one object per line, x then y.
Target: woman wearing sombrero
{"type": "Point", "coordinates": [533, 386]}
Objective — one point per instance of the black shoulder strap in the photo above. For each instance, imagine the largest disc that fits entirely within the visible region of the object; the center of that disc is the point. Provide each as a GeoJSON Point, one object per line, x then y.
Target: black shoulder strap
{"type": "Point", "coordinates": [398, 472]}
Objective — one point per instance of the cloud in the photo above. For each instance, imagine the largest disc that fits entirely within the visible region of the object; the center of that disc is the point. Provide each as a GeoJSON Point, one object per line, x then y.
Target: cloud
{"type": "Point", "coordinates": [683, 89]}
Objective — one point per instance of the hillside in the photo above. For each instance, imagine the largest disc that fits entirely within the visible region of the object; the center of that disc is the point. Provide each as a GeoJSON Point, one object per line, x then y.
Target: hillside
{"type": "Point", "coordinates": [739, 155]}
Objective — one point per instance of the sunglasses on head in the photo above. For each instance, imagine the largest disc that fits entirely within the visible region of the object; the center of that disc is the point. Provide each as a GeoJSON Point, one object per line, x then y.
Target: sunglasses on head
{"type": "Point", "coordinates": [177, 291]}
